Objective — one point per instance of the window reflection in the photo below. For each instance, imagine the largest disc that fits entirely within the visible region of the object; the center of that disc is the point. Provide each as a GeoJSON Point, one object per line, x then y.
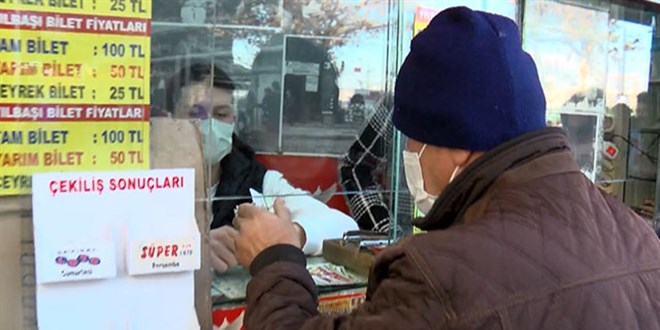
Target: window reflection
{"type": "Point", "coordinates": [569, 44]}
{"type": "Point", "coordinates": [633, 87]}
{"type": "Point", "coordinates": [227, 12]}
{"type": "Point", "coordinates": [306, 78]}
{"type": "Point", "coordinates": [308, 74]}
{"type": "Point", "coordinates": [597, 62]}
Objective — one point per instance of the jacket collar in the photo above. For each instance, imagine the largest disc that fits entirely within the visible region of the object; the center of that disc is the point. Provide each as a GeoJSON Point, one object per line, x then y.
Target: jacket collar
{"type": "Point", "coordinates": [522, 159]}
{"type": "Point", "coordinates": [240, 172]}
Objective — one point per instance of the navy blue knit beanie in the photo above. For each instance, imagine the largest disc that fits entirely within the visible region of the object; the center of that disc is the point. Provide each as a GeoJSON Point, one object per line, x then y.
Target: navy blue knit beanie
{"type": "Point", "coordinates": [468, 84]}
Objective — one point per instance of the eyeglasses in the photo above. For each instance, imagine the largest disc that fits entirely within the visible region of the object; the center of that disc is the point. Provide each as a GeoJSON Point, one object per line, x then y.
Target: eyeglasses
{"type": "Point", "coordinates": [199, 112]}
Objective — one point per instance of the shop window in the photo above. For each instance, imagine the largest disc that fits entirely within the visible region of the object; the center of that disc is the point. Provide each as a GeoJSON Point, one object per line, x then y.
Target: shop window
{"type": "Point", "coordinates": [301, 79]}
{"type": "Point", "coordinates": [305, 76]}
{"type": "Point", "coordinates": [598, 66]}
{"type": "Point", "coordinates": [291, 83]}
{"type": "Point", "coordinates": [636, 38]}
{"type": "Point", "coordinates": [304, 79]}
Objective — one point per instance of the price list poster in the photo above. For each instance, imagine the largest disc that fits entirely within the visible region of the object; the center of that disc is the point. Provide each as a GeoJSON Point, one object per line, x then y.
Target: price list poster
{"type": "Point", "coordinates": [74, 87]}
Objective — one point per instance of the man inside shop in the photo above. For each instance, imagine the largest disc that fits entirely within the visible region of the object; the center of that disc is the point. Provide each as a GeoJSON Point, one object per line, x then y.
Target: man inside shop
{"type": "Point", "coordinates": [204, 92]}
{"type": "Point", "coordinates": [517, 236]}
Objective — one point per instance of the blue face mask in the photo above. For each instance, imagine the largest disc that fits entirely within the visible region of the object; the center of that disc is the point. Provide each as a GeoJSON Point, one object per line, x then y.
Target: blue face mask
{"type": "Point", "coordinates": [217, 139]}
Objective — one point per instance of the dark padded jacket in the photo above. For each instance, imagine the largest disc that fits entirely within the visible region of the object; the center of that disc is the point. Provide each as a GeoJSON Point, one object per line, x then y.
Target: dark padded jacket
{"type": "Point", "coordinates": [520, 240]}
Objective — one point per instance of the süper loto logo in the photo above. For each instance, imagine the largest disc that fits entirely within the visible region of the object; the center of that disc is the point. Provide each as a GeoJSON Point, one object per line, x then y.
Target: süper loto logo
{"type": "Point", "coordinates": [174, 250]}
{"type": "Point", "coordinates": [163, 256]}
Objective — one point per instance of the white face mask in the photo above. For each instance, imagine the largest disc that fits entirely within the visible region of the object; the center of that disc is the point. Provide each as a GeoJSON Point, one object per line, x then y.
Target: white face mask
{"type": "Point", "coordinates": [415, 180]}
{"type": "Point", "coordinates": [217, 139]}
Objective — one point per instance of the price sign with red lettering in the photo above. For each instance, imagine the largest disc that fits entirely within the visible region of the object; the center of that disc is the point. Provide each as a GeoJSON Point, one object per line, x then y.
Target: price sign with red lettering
{"type": "Point", "coordinates": [74, 82]}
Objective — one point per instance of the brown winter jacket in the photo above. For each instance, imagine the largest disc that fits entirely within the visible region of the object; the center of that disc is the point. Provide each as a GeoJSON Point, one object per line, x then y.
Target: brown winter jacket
{"type": "Point", "coordinates": [520, 240]}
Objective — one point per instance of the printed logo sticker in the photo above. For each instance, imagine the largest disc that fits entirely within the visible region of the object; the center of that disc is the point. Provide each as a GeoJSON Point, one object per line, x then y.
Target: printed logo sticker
{"type": "Point", "coordinates": [84, 263]}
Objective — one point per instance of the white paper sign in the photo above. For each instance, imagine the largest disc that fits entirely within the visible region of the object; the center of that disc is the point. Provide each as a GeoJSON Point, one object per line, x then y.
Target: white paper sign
{"type": "Point", "coordinates": [302, 68]}
{"type": "Point", "coordinates": [311, 83]}
{"type": "Point", "coordinates": [106, 212]}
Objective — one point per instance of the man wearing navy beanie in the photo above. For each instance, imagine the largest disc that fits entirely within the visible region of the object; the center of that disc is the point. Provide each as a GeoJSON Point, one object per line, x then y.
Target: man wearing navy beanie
{"type": "Point", "coordinates": [517, 237]}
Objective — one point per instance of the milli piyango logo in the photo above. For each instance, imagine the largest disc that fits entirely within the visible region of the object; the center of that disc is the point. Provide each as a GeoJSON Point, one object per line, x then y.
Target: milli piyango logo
{"type": "Point", "coordinates": [80, 256]}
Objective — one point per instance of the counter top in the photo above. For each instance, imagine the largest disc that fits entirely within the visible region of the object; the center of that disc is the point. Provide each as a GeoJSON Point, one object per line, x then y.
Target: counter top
{"type": "Point", "coordinates": [229, 287]}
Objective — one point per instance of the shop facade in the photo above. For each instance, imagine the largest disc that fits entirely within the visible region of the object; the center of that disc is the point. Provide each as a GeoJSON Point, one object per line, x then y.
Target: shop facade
{"type": "Point", "coordinates": [308, 76]}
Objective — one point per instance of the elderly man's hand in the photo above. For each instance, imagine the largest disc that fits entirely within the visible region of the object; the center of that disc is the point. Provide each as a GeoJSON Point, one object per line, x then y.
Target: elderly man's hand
{"type": "Point", "coordinates": [260, 229]}
{"type": "Point", "coordinates": [223, 254]}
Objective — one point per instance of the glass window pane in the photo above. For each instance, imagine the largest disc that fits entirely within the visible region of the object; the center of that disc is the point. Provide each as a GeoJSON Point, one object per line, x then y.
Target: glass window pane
{"type": "Point", "coordinates": [598, 65]}
{"type": "Point", "coordinates": [632, 93]}
{"type": "Point", "coordinates": [569, 44]}
{"type": "Point", "coordinates": [303, 93]}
